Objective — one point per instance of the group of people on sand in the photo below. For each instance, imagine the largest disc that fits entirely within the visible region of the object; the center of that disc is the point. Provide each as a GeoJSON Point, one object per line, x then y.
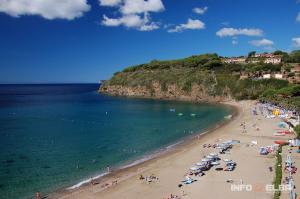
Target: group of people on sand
{"type": "Point", "coordinates": [243, 125]}
{"type": "Point", "coordinates": [172, 196]}
{"type": "Point", "coordinates": [149, 179]}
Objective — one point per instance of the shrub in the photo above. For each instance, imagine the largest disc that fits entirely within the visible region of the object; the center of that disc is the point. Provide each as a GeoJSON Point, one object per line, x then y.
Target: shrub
{"type": "Point", "coordinates": [297, 130]}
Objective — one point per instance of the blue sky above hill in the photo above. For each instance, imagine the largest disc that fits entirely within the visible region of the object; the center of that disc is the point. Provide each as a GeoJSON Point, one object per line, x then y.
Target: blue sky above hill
{"type": "Point", "coordinates": [85, 41]}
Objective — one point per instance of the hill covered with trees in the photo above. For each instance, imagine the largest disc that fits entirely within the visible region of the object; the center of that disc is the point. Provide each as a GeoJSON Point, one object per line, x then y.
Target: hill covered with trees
{"type": "Point", "coordinates": [205, 77]}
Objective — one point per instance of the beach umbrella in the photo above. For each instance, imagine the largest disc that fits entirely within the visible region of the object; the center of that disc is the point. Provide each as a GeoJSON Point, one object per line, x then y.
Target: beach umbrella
{"type": "Point", "coordinates": [200, 164]}
{"type": "Point", "coordinates": [215, 163]}
{"type": "Point", "coordinates": [194, 168]}
{"type": "Point", "coordinates": [213, 154]}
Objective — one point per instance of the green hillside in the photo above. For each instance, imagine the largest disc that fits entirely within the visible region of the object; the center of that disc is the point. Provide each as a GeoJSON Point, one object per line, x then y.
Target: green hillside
{"type": "Point", "coordinates": [211, 72]}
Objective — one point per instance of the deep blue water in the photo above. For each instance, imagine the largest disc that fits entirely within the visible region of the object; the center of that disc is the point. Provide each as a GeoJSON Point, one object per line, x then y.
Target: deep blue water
{"type": "Point", "coordinates": [54, 136]}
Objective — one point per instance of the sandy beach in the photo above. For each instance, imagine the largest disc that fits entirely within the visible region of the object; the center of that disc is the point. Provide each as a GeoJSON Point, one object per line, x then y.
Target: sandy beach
{"type": "Point", "coordinates": [171, 168]}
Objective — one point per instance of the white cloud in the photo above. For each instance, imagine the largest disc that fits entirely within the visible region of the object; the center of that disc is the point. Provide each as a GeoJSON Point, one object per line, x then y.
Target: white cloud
{"type": "Point", "coordinates": [141, 6]}
{"type": "Point", "coordinates": [49, 9]}
{"type": "Point", "coordinates": [262, 43]}
{"type": "Point", "coordinates": [225, 32]}
{"type": "Point", "coordinates": [191, 24]}
{"type": "Point", "coordinates": [298, 17]}
{"type": "Point", "coordinates": [133, 13]}
{"type": "Point", "coordinates": [110, 2]}
{"type": "Point", "coordinates": [131, 21]}
{"type": "Point", "coordinates": [149, 27]}
{"type": "Point", "coordinates": [296, 41]}
{"type": "Point", "coordinates": [128, 21]}
{"type": "Point", "coordinates": [200, 11]}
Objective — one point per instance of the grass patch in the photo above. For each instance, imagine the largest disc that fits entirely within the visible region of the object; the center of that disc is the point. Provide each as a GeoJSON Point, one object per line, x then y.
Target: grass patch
{"type": "Point", "coordinates": [278, 173]}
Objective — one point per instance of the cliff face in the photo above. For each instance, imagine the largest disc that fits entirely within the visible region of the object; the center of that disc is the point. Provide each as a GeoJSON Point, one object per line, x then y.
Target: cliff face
{"type": "Point", "coordinates": [172, 92]}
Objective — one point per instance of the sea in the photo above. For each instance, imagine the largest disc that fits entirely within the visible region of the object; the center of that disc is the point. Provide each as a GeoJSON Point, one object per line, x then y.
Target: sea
{"type": "Point", "coordinates": [56, 136]}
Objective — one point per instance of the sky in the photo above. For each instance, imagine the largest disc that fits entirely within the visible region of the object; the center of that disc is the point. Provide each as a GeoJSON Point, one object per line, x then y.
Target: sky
{"type": "Point", "coordinates": [84, 41]}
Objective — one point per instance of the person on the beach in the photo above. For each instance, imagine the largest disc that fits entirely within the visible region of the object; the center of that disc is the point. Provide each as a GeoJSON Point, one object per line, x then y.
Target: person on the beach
{"type": "Point", "coordinates": [37, 195]}
{"type": "Point", "coordinates": [142, 177]}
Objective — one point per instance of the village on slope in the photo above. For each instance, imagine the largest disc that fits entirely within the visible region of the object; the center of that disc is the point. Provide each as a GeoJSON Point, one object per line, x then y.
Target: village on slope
{"type": "Point", "coordinates": [289, 71]}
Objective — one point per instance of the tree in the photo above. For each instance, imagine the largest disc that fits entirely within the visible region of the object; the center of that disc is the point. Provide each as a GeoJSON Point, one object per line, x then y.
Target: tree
{"type": "Point", "coordinates": [295, 56]}
{"type": "Point", "coordinates": [251, 54]}
{"type": "Point", "coordinates": [279, 52]}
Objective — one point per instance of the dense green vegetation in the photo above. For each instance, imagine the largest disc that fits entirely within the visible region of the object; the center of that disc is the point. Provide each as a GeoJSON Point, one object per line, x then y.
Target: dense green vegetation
{"type": "Point", "coordinates": [278, 173]}
{"type": "Point", "coordinates": [218, 78]}
{"type": "Point", "coordinates": [288, 96]}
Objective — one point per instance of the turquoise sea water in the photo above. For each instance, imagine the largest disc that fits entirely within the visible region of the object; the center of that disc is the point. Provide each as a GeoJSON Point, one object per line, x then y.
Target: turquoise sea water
{"type": "Point", "coordinates": [54, 136]}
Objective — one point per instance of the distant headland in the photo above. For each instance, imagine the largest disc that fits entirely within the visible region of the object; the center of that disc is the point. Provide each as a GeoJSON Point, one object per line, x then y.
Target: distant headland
{"type": "Point", "coordinates": [274, 77]}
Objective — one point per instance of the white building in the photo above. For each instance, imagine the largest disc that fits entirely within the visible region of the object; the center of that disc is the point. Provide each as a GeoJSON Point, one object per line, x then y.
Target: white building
{"type": "Point", "coordinates": [273, 60]}
{"type": "Point", "coordinates": [267, 76]}
{"type": "Point", "coordinates": [267, 58]}
{"type": "Point", "coordinates": [278, 76]}
{"type": "Point", "coordinates": [237, 60]}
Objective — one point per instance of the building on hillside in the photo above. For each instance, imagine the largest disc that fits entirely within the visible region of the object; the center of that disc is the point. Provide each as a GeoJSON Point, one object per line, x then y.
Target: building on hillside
{"type": "Point", "coordinates": [296, 74]}
{"type": "Point", "coordinates": [235, 60]}
{"type": "Point", "coordinates": [273, 60]}
{"type": "Point", "coordinates": [296, 69]}
{"type": "Point", "coordinates": [267, 76]}
{"type": "Point", "coordinates": [253, 60]}
{"type": "Point", "coordinates": [267, 58]}
{"type": "Point", "coordinates": [263, 55]}
{"type": "Point", "coordinates": [278, 76]}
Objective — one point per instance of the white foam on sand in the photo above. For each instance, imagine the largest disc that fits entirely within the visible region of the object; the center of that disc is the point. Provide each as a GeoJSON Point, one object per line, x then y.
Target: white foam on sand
{"type": "Point", "coordinates": [86, 181]}
{"type": "Point", "coordinates": [139, 161]}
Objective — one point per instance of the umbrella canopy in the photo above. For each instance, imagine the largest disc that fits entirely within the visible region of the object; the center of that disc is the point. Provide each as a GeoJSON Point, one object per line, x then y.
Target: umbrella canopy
{"type": "Point", "coordinates": [201, 164]}
{"type": "Point", "coordinates": [194, 168]}
{"type": "Point", "coordinates": [215, 163]}
{"type": "Point", "coordinates": [213, 154]}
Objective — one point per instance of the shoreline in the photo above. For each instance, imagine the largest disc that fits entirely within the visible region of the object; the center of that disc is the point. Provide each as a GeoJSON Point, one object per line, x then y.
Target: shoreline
{"type": "Point", "coordinates": [171, 169]}
{"type": "Point", "coordinates": [130, 168]}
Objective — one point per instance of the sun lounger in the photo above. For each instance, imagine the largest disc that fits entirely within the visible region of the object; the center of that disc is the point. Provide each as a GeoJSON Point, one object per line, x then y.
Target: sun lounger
{"type": "Point", "coordinates": [188, 181]}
